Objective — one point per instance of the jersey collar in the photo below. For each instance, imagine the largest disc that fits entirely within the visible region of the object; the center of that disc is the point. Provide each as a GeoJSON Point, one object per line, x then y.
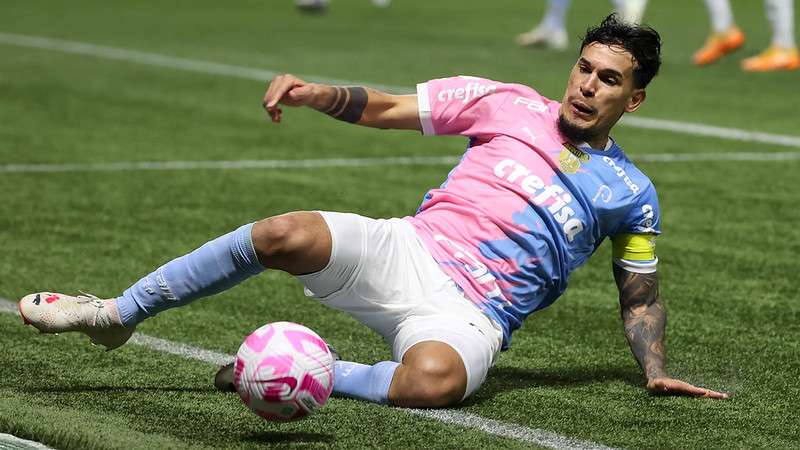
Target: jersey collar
{"type": "Point", "coordinates": [586, 146]}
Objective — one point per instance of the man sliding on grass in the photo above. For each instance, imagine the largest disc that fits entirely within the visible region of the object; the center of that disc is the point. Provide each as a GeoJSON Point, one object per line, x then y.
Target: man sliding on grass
{"type": "Point", "coordinates": [539, 188]}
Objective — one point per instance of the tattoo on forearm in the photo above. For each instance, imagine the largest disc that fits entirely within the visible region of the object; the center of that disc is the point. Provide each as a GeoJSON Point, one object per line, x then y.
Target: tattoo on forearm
{"type": "Point", "coordinates": [347, 104]}
{"type": "Point", "coordinates": [644, 319]}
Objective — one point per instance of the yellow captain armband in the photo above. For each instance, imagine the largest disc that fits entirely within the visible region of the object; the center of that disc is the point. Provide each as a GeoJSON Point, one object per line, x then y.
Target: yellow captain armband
{"type": "Point", "coordinates": [635, 252]}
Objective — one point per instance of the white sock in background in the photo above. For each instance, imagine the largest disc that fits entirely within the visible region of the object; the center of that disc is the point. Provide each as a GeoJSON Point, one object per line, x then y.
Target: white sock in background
{"type": "Point", "coordinates": [781, 18]}
{"type": "Point", "coordinates": [630, 11]}
{"type": "Point", "coordinates": [721, 15]}
{"type": "Point", "coordinates": [555, 18]}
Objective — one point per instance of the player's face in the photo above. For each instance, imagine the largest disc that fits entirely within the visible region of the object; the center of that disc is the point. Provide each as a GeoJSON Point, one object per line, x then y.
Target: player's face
{"type": "Point", "coordinates": [600, 89]}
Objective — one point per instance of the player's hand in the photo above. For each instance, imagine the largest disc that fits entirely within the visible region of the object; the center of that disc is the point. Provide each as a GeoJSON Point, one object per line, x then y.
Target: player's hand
{"type": "Point", "coordinates": [671, 386]}
{"type": "Point", "coordinates": [286, 90]}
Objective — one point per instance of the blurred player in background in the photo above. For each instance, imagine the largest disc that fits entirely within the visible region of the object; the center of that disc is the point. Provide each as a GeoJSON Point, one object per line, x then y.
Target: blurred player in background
{"type": "Point", "coordinates": [726, 37]}
{"type": "Point", "coordinates": [540, 187]}
{"type": "Point", "coordinates": [552, 30]}
{"type": "Point", "coordinates": [318, 6]}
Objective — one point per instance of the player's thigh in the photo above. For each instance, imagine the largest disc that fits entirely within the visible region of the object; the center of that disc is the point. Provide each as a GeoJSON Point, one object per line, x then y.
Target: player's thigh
{"type": "Point", "coordinates": [374, 273]}
{"type": "Point", "coordinates": [347, 234]}
{"type": "Point", "coordinates": [474, 338]}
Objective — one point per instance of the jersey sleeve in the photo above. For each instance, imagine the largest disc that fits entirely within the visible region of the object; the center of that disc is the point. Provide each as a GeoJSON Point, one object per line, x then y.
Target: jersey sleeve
{"type": "Point", "coordinates": [635, 243]}
{"type": "Point", "coordinates": [635, 252]}
{"type": "Point", "coordinates": [644, 217]}
{"type": "Point", "coordinates": [460, 105]}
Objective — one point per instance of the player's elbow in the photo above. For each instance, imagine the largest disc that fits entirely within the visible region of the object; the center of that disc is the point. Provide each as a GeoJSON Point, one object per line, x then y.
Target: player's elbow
{"type": "Point", "coordinates": [397, 112]}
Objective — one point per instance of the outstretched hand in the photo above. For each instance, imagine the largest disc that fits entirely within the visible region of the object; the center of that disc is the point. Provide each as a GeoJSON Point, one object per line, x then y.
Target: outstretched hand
{"type": "Point", "coordinates": [671, 386]}
{"type": "Point", "coordinates": [287, 90]}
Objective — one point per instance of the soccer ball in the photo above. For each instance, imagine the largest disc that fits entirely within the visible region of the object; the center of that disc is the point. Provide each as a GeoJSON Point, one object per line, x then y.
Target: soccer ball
{"type": "Point", "coordinates": [312, 6]}
{"type": "Point", "coordinates": [283, 371]}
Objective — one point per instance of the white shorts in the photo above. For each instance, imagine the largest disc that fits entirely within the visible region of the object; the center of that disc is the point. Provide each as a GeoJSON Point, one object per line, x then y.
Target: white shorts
{"type": "Point", "coordinates": [381, 273]}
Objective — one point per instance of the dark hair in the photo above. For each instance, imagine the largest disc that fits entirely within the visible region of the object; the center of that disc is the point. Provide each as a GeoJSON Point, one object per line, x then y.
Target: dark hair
{"type": "Point", "coordinates": [642, 42]}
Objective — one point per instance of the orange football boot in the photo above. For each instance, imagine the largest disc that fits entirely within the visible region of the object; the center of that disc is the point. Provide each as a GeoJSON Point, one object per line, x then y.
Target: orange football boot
{"type": "Point", "coordinates": [772, 59]}
{"type": "Point", "coordinates": [718, 45]}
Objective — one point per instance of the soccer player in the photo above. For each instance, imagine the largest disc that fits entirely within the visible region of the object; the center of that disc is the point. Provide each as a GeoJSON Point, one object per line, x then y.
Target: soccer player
{"type": "Point", "coordinates": [319, 6]}
{"type": "Point", "coordinates": [726, 37]}
{"type": "Point", "coordinates": [551, 32]}
{"type": "Point", "coordinates": [538, 190]}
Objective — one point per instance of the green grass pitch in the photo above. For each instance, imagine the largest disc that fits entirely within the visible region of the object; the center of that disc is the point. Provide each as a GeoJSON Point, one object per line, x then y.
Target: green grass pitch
{"type": "Point", "coordinates": [728, 253]}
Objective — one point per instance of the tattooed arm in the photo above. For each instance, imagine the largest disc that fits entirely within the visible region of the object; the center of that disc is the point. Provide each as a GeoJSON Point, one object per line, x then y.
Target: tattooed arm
{"type": "Point", "coordinates": [645, 321]}
{"type": "Point", "coordinates": [360, 105]}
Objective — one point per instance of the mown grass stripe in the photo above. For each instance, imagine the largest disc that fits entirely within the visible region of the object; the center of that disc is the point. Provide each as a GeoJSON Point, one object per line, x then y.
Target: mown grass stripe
{"type": "Point", "coordinates": [172, 62]}
{"type": "Point", "coordinates": [354, 162]}
{"type": "Point", "coordinates": [450, 416]}
{"type": "Point", "coordinates": [262, 75]}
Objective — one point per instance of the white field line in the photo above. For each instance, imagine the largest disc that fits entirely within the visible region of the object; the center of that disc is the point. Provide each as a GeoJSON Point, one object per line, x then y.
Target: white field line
{"type": "Point", "coordinates": [699, 129]}
{"type": "Point", "coordinates": [720, 156]}
{"type": "Point", "coordinates": [241, 164]}
{"type": "Point", "coordinates": [495, 427]}
{"type": "Point", "coordinates": [451, 416]}
{"type": "Point", "coordinates": [355, 162]}
{"type": "Point", "coordinates": [176, 348]}
{"type": "Point", "coordinates": [11, 442]}
{"type": "Point", "coordinates": [261, 75]}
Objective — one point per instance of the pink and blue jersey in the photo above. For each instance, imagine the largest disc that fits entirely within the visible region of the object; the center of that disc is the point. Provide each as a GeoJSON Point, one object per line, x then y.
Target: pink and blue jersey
{"type": "Point", "coordinates": [522, 209]}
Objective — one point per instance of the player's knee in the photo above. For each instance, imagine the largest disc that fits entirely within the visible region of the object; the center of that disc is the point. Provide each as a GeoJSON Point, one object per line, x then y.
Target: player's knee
{"type": "Point", "coordinates": [439, 384]}
{"type": "Point", "coordinates": [279, 236]}
{"type": "Point", "coordinates": [441, 393]}
{"type": "Point", "coordinates": [297, 242]}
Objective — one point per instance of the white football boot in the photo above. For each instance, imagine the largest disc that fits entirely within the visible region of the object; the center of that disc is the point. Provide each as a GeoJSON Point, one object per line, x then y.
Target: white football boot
{"type": "Point", "coordinates": [544, 36]}
{"type": "Point", "coordinates": [54, 313]}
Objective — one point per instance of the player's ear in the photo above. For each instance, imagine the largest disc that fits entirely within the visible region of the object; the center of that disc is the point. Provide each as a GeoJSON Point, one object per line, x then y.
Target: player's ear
{"type": "Point", "coordinates": [635, 101]}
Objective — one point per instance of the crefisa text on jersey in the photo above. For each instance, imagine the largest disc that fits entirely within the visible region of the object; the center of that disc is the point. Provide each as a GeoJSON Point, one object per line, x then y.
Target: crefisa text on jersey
{"type": "Point", "coordinates": [514, 172]}
{"type": "Point", "coordinates": [470, 91]}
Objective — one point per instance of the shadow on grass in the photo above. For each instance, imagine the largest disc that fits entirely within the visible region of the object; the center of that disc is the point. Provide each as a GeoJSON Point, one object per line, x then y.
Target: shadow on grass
{"type": "Point", "coordinates": [514, 378]}
{"type": "Point", "coordinates": [288, 437]}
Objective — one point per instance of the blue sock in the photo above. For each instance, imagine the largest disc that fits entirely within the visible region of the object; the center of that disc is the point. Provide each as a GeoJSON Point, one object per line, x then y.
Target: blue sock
{"type": "Point", "coordinates": [370, 383]}
{"type": "Point", "coordinates": [216, 266]}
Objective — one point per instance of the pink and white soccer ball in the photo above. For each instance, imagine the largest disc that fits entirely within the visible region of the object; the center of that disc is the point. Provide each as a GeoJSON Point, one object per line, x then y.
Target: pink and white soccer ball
{"type": "Point", "coordinates": [283, 371]}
